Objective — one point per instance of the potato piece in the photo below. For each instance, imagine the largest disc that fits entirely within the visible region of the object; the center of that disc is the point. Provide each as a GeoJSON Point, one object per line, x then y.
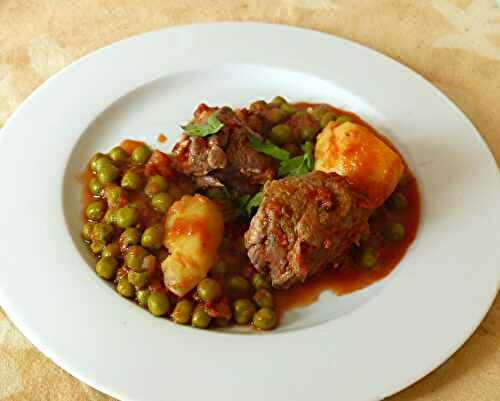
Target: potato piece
{"type": "Point", "coordinates": [194, 228]}
{"type": "Point", "coordinates": [355, 152]}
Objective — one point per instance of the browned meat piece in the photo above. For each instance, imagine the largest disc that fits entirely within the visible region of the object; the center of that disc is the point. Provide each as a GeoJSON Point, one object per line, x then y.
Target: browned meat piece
{"type": "Point", "coordinates": [304, 224]}
{"type": "Point", "coordinates": [225, 156]}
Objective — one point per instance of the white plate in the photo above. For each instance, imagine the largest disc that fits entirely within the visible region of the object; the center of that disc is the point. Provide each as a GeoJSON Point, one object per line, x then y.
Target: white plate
{"type": "Point", "coordinates": [360, 347]}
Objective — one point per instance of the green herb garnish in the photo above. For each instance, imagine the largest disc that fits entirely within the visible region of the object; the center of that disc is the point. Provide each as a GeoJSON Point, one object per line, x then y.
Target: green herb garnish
{"type": "Point", "coordinates": [248, 203]}
{"type": "Point", "coordinates": [298, 165]}
{"type": "Point", "coordinates": [268, 148]}
{"type": "Point", "coordinates": [212, 126]}
{"type": "Point", "coordinates": [254, 202]}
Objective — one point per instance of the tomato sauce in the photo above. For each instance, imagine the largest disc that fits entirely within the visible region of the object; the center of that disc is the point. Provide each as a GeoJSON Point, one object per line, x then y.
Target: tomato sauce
{"type": "Point", "coordinates": [350, 277]}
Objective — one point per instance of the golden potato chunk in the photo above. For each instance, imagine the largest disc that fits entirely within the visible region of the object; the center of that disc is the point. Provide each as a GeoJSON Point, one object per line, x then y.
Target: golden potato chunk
{"type": "Point", "coordinates": [357, 153]}
{"type": "Point", "coordinates": [194, 228]}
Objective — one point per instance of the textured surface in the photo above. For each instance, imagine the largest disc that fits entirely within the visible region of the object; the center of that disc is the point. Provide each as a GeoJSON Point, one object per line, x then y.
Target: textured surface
{"type": "Point", "coordinates": [453, 43]}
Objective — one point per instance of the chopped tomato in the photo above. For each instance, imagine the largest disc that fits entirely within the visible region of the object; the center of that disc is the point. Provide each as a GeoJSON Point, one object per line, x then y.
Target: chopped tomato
{"type": "Point", "coordinates": [159, 163]}
{"type": "Point", "coordinates": [129, 145]}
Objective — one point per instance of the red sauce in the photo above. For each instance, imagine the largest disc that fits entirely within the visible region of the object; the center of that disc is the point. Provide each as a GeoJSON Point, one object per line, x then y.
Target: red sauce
{"type": "Point", "coordinates": [350, 277]}
{"type": "Point", "coordinates": [162, 138]}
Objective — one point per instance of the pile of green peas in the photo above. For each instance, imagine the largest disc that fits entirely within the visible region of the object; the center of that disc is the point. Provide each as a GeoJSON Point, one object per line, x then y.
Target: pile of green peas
{"type": "Point", "coordinates": [391, 231]}
{"type": "Point", "coordinates": [127, 248]}
{"type": "Point", "coordinates": [251, 301]}
{"type": "Point", "coordinates": [289, 126]}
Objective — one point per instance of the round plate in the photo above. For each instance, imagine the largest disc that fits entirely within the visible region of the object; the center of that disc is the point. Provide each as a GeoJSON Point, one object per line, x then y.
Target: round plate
{"type": "Point", "coordinates": [356, 348]}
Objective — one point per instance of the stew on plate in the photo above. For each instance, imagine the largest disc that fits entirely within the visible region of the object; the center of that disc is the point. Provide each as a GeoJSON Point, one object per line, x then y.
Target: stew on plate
{"type": "Point", "coordinates": [255, 211]}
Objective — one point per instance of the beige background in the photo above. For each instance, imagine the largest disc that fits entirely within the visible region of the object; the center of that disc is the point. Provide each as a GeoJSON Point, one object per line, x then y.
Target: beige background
{"type": "Point", "coordinates": [453, 43]}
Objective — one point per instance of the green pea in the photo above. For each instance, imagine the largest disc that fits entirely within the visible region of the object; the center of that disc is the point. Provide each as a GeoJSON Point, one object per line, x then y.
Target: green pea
{"type": "Point", "coordinates": [158, 303]}
{"type": "Point", "coordinates": [106, 267]}
{"type": "Point", "coordinates": [131, 236]}
{"type": "Point", "coordinates": [308, 132]}
{"type": "Point", "coordinates": [393, 231]}
{"type": "Point", "coordinates": [327, 118]}
{"type": "Point", "coordinates": [281, 134]}
{"type": "Point", "coordinates": [368, 258]}
{"type": "Point", "coordinates": [243, 311]}
{"type": "Point", "coordinates": [238, 286]}
{"type": "Point", "coordinates": [258, 106]}
{"type": "Point", "coordinates": [217, 193]}
{"type": "Point", "coordinates": [161, 202]}
{"type": "Point", "coordinates": [124, 288]}
{"type": "Point", "coordinates": [93, 161]}
{"type": "Point", "coordinates": [209, 290]}
{"type": "Point", "coordinates": [95, 210]}
{"type": "Point", "coordinates": [182, 311]}
{"type": "Point", "coordinates": [102, 232]}
{"type": "Point", "coordinates": [95, 187]}
{"type": "Point", "coordinates": [135, 256]}
{"type": "Point", "coordinates": [142, 297]}
{"type": "Point", "coordinates": [259, 282]}
{"type": "Point", "coordinates": [132, 181]}
{"type": "Point", "coordinates": [220, 269]}
{"type": "Point", "coordinates": [264, 298]}
{"type": "Point", "coordinates": [127, 216]}
{"type": "Point", "coordinates": [141, 155]}
{"type": "Point", "coordinates": [265, 319]}
{"type": "Point", "coordinates": [279, 100]}
{"type": "Point", "coordinates": [108, 174]}
{"type": "Point", "coordinates": [87, 231]}
{"type": "Point", "coordinates": [275, 115]}
{"type": "Point", "coordinates": [156, 184]}
{"type": "Point", "coordinates": [138, 279]}
{"type": "Point", "coordinates": [152, 237]}
{"type": "Point", "coordinates": [97, 246]}
{"type": "Point", "coordinates": [319, 111]}
{"type": "Point", "coordinates": [102, 163]}
{"type": "Point", "coordinates": [200, 318]}
{"type": "Point", "coordinates": [343, 119]}
{"type": "Point", "coordinates": [118, 154]}
{"type": "Point", "coordinates": [110, 217]}
{"type": "Point", "coordinates": [398, 201]}
{"type": "Point", "coordinates": [112, 249]}
{"type": "Point", "coordinates": [114, 195]}
{"type": "Point", "coordinates": [288, 109]}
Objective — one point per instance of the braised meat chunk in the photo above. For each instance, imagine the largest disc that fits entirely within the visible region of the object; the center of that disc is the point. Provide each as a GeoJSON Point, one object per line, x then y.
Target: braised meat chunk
{"type": "Point", "coordinates": [224, 158]}
{"type": "Point", "coordinates": [303, 225]}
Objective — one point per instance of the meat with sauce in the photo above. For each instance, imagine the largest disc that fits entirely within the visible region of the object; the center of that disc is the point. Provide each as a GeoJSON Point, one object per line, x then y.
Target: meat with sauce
{"type": "Point", "coordinates": [303, 225]}
{"type": "Point", "coordinates": [225, 158]}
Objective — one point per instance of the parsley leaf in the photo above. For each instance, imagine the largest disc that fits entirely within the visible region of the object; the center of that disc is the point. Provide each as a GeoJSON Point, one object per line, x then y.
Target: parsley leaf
{"type": "Point", "coordinates": [212, 126]}
{"type": "Point", "coordinates": [298, 165]}
{"type": "Point", "coordinates": [243, 200]}
{"type": "Point", "coordinates": [268, 148]}
{"type": "Point", "coordinates": [248, 203]}
{"type": "Point", "coordinates": [254, 202]}
{"type": "Point", "coordinates": [308, 155]}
